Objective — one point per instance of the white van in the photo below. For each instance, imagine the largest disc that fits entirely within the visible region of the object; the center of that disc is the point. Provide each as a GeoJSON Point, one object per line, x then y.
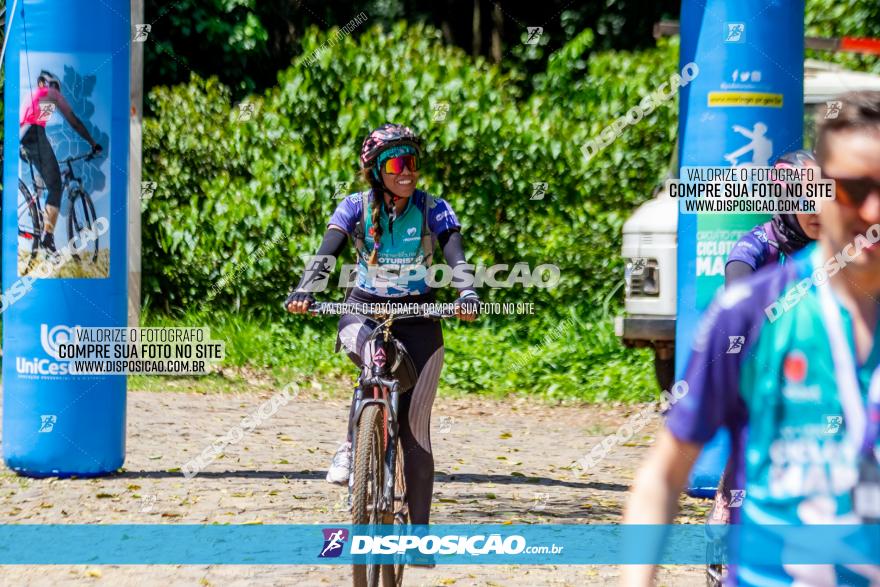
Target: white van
{"type": "Point", "coordinates": [650, 236]}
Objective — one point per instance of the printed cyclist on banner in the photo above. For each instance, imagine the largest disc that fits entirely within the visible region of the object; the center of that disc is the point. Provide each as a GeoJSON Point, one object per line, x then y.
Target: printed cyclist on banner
{"type": "Point", "coordinates": [54, 161]}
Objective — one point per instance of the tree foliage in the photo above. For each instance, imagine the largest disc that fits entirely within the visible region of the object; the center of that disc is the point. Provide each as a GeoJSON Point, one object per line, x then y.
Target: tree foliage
{"type": "Point", "coordinates": [245, 42]}
{"type": "Point", "coordinates": [853, 18]}
{"type": "Point", "coordinates": [226, 187]}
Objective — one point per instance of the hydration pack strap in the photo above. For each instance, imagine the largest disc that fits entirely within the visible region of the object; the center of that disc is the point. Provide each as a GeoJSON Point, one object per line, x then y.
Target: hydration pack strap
{"type": "Point", "coordinates": [427, 237]}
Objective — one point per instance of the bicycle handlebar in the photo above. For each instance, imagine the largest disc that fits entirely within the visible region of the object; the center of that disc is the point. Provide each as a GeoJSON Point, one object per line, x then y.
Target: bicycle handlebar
{"type": "Point", "coordinates": [88, 157]}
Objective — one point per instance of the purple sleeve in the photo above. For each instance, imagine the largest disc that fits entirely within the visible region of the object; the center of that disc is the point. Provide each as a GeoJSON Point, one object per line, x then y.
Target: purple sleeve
{"type": "Point", "coordinates": [752, 249]}
{"type": "Point", "coordinates": [441, 217]}
{"type": "Point", "coordinates": [709, 396]}
{"type": "Point", "coordinates": [347, 213]}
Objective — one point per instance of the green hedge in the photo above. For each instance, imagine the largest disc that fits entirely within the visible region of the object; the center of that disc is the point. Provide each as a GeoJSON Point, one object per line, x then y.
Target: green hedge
{"type": "Point", "coordinates": [239, 201]}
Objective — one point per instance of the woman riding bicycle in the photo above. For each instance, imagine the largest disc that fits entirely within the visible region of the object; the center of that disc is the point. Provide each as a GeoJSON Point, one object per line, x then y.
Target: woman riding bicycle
{"type": "Point", "coordinates": [782, 236]}
{"type": "Point", "coordinates": [393, 225]}
{"type": "Point", "coordinates": [36, 148]}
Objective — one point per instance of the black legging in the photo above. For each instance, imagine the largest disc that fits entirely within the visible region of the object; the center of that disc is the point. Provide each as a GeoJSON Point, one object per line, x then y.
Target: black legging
{"type": "Point", "coordinates": [40, 153]}
{"type": "Point", "coordinates": [423, 340]}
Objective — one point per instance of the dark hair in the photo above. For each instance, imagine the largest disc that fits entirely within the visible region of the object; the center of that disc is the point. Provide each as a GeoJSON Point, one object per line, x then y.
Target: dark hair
{"type": "Point", "coordinates": [376, 202]}
{"type": "Point", "coordinates": [858, 111]}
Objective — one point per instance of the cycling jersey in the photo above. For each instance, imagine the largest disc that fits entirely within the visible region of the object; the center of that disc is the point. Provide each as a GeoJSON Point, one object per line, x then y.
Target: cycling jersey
{"type": "Point", "coordinates": [401, 248]}
{"type": "Point", "coordinates": [758, 247]}
{"type": "Point", "coordinates": [42, 106]}
{"type": "Point", "coordinates": [772, 384]}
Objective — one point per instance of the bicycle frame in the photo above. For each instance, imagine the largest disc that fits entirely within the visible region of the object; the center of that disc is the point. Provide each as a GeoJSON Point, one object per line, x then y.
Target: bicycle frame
{"type": "Point", "coordinates": [34, 194]}
{"type": "Point", "coordinates": [377, 385]}
{"type": "Point", "coordinates": [68, 176]}
{"type": "Point", "coordinates": [69, 179]}
{"type": "Point", "coordinates": [386, 394]}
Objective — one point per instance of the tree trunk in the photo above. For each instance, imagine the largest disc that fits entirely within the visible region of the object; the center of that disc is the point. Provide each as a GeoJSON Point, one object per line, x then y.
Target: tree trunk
{"type": "Point", "coordinates": [475, 30]}
{"type": "Point", "coordinates": [497, 32]}
{"type": "Point", "coordinates": [447, 32]}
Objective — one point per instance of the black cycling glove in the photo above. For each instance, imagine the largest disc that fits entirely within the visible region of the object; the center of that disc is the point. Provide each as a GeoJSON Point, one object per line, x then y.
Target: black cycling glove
{"type": "Point", "coordinates": [318, 268]}
{"type": "Point", "coordinates": [299, 296]}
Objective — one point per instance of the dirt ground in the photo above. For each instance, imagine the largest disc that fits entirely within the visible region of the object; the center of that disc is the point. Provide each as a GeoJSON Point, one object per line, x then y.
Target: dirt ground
{"type": "Point", "coordinates": [496, 461]}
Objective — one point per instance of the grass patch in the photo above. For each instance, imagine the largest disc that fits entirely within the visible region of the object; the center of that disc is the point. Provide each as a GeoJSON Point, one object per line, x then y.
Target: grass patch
{"type": "Point", "coordinates": [574, 359]}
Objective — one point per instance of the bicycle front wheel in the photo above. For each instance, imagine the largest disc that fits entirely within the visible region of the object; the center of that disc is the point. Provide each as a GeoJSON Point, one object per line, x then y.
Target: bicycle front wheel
{"type": "Point", "coordinates": [81, 218]}
{"type": "Point", "coordinates": [368, 482]}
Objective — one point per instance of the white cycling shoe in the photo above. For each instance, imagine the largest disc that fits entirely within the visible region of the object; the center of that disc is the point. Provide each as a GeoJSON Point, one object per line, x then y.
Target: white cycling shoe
{"type": "Point", "coordinates": [340, 467]}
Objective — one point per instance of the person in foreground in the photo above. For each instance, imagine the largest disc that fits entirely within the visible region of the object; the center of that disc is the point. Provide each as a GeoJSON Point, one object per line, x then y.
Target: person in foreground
{"type": "Point", "coordinates": [394, 225]}
{"type": "Point", "coordinates": [804, 432]}
{"type": "Point", "coordinates": [769, 243]}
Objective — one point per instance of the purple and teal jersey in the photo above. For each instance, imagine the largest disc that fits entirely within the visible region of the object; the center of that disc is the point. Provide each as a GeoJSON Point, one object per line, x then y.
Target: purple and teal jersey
{"type": "Point", "coordinates": [757, 247]}
{"type": "Point", "coordinates": [771, 382]}
{"type": "Point", "coordinates": [401, 253]}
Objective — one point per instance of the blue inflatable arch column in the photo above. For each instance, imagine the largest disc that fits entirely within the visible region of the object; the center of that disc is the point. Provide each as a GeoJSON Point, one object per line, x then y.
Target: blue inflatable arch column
{"type": "Point", "coordinates": [55, 423]}
{"type": "Point", "coordinates": [750, 55]}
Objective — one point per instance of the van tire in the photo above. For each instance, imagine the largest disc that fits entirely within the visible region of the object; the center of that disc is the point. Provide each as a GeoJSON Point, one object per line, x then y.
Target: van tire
{"type": "Point", "coordinates": [664, 370]}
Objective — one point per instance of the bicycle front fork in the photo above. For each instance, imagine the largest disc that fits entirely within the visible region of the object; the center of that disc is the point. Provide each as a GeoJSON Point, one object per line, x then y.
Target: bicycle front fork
{"type": "Point", "coordinates": [389, 406]}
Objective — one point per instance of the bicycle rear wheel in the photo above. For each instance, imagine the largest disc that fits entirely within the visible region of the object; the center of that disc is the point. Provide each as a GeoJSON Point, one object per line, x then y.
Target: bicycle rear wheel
{"type": "Point", "coordinates": [368, 481]}
{"type": "Point", "coordinates": [80, 218]}
{"type": "Point", "coordinates": [33, 231]}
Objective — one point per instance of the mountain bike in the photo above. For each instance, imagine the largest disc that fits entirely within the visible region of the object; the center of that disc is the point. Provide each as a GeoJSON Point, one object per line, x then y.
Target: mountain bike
{"type": "Point", "coordinates": [377, 489]}
{"type": "Point", "coordinates": [80, 209]}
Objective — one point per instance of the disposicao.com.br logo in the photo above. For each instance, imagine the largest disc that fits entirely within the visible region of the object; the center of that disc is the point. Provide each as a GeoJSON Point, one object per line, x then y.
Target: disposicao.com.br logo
{"type": "Point", "coordinates": [431, 544]}
{"type": "Point", "coordinates": [334, 542]}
